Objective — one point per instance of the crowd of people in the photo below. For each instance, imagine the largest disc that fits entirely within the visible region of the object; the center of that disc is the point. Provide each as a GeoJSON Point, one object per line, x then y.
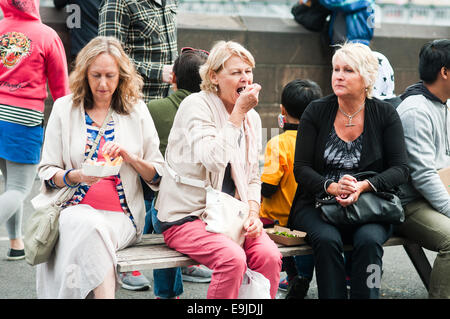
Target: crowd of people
{"type": "Point", "coordinates": [184, 124]}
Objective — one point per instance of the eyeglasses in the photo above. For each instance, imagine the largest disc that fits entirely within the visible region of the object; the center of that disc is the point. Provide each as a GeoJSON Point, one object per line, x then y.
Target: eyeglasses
{"type": "Point", "coordinates": [185, 49]}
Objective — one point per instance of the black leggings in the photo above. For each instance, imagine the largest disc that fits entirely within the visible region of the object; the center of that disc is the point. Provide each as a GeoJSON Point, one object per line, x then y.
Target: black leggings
{"type": "Point", "coordinates": [327, 241]}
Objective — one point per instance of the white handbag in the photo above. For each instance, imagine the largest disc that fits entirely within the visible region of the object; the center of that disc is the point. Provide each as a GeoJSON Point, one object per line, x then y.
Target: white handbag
{"type": "Point", "coordinates": [223, 213]}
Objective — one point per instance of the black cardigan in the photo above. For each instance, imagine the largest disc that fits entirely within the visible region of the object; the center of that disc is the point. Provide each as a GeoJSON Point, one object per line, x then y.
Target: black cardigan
{"type": "Point", "coordinates": [383, 148]}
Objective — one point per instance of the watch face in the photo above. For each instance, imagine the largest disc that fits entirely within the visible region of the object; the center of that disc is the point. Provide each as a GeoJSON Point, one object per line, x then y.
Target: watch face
{"type": "Point", "coordinates": [281, 120]}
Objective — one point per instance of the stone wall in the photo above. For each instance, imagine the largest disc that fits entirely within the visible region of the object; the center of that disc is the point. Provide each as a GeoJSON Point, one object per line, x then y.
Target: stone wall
{"type": "Point", "coordinates": [284, 50]}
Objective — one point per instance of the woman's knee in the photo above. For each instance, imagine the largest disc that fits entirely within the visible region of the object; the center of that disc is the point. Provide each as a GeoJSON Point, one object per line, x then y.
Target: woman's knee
{"type": "Point", "coordinates": [326, 242]}
{"type": "Point", "coordinates": [233, 260]}
{"type": "Point", "coordinates": [371, 237]}
{"type": "Point", "coordinates": [76, 217]}
{"type": "Point", "coordinates": [266, 253]}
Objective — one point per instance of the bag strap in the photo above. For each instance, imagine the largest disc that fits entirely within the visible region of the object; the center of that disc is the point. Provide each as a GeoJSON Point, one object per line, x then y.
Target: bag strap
{"type": "Point", "coordinates": [101, 132]}
{"type": "Point", "coordinates": [185, 180]}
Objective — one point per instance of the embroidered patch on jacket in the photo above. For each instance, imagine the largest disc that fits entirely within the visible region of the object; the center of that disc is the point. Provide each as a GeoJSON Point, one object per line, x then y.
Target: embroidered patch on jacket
{"type": "Point", "coordinates": [13, 47]}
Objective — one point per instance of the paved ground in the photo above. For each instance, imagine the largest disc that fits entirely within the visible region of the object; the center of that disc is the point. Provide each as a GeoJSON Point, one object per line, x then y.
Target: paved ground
{"type": "Point", "coordinates": [17, 278]}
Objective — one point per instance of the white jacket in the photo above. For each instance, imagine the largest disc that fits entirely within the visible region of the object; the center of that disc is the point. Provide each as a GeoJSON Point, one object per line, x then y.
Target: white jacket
{"type": "Point", "coordinates": [201, 144]}
{"type": "Point", "coordinates": [65, 142]}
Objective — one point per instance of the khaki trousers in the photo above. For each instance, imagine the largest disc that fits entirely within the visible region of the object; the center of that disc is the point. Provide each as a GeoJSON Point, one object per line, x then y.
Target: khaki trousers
{"type": "Point", "coordinates": [431, 230]}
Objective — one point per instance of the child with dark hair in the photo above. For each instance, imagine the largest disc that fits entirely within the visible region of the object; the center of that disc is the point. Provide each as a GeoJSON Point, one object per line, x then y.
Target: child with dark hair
{"type": "Point", "coordinates": [278, 181]}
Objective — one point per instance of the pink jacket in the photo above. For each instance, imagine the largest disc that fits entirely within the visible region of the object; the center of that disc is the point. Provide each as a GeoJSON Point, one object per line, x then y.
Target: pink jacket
{"type": "Point", "coordinates": [30, 54]}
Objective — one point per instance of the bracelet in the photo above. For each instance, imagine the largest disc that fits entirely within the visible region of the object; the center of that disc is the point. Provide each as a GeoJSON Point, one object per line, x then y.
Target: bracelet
{"type": "Point", "coordinates": [371, 185]}
{"type": "Point", "coordinates": [155, 179]}
{"type": "Point", "coordinates": [65, 182]}
{"type": "Point", "coordinates": [326, 184]}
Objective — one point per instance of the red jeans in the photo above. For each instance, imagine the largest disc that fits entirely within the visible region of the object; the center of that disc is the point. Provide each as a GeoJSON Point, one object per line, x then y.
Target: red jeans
{"type": "Point", "coordinates": [226, 258]}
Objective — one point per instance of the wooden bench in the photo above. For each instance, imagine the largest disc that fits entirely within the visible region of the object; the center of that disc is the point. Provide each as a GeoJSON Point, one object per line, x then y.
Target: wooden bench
{"type": "Point", "coordinates": [152, 253]}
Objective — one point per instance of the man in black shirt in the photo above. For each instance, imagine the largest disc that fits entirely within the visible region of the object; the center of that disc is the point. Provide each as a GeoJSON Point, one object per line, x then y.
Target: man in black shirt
{"type": "Point", "coordinates": [84, 27]}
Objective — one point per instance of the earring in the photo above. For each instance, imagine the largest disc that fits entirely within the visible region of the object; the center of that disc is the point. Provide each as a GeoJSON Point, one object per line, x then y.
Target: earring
{"type": "Point", "coordinates": [281, 120]}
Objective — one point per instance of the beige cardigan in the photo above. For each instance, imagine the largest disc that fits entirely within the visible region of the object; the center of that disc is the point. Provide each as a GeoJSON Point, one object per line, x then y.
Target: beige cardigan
{"type": "Point", "coordinates": [65, 142]}
{"type": "Point", "coordinates": [199, 148]}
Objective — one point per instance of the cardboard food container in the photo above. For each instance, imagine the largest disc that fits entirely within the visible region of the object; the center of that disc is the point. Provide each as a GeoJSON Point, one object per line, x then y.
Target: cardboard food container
{"type": "Point", "coordinates": [89, 169]}
{"type": "Point", "coordinates": [299, 238]}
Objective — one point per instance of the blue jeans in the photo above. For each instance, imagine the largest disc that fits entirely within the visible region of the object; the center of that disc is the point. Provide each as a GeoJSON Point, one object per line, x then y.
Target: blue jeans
{"type": "Point", "coordinates": [167, 283]}
{"type": "Point", "coordinates": [305, 265]}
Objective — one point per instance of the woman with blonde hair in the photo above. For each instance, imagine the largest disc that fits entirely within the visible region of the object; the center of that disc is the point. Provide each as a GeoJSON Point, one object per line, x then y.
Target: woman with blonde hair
{"type": "Point", "coordinates": [216, 137]}
{"type": "Point", "coordinates": [106, 213]}
{"type": "Point", "coordinates": [343, 134]}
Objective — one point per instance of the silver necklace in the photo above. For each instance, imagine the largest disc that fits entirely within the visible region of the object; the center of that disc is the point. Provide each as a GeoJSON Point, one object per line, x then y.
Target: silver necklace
{"type": "Point", "coordinates": [350, 117]}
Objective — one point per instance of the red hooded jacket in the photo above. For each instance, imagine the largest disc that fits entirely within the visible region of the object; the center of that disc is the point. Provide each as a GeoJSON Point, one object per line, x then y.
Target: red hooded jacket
{"type": "Point", "coordinates": [30, 54]}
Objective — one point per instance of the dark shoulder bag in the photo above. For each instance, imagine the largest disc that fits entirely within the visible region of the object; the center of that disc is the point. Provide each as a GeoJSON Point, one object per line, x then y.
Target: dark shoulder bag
{"type": "Point", "coordinates": [371, 207]}
{"type": "Point", "coordinates": [313, 16]}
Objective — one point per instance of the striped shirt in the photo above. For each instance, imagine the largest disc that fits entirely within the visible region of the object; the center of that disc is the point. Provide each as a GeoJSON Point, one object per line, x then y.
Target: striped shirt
{"type": "Point", "coordinates": [19, 115]}
{"type": "Point", "coordinates": [147, 30]}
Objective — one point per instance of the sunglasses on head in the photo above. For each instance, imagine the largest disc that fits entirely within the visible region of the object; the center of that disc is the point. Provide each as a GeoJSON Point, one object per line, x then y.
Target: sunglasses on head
{"type": "Point", "coordinates": [185, 49]}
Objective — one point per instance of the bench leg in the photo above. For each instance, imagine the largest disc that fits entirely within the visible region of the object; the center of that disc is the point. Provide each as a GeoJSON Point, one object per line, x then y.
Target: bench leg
{"type": "Point", "coordinates": [420, 262]}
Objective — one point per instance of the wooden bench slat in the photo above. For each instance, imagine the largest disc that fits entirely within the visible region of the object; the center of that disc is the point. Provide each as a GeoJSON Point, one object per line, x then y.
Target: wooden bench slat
{"type": "Point", "coordinates": [160, 263]}
{"type": "Point", "coordinates": [144, 252]}
{"type": "Point", "coordinates": [152, 253]}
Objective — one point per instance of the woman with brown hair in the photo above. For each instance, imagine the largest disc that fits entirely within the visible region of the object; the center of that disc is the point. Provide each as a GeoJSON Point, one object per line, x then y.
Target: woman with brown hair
{"type": "Point", "coordinates": [105, 214]}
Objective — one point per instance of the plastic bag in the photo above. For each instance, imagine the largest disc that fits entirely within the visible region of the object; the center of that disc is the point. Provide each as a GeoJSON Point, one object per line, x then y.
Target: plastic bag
{"type": "Point", "coordinates": [254, 286]}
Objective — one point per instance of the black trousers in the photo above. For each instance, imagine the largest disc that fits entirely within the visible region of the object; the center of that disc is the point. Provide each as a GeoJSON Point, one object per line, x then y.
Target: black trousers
{"type": "Point", "coordinates": [328, 240]}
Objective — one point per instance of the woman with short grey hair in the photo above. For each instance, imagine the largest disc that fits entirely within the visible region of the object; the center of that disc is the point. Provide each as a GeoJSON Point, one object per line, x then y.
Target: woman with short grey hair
{"type": "Point", "coordinates": [340, 135]}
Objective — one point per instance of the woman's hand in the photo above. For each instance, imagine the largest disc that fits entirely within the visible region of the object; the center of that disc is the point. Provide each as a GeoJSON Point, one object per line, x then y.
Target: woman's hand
{"type": "Point", "coordinates": [76, 176]}
{"type": "Point", "coordinates": [112, 149]}
{"type": "Point", "coordinates": [246, 101]}
{"type": "Point", "coordinates": [253, 225]}
{"type": "Point", "coordinates": [248, 98]}
{"type": "Point", "coordinates": [145, 169]}
{"type": "Point", "coordinates": [351, 190]}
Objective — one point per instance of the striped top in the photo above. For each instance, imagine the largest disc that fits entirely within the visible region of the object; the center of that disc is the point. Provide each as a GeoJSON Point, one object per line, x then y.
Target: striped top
{"type": "Point", "coordinates": [19, 115]}
{"type": "Point", "coordinates": [92, 131]}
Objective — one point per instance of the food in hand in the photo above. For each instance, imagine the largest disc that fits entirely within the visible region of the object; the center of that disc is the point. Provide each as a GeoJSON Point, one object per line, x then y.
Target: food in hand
{"type": "Point", "coordinates": [116, 162]}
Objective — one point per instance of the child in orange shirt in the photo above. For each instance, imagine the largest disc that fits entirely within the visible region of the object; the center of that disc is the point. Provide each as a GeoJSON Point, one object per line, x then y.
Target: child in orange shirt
{"type": "Point", "coordinates": [278, 181]}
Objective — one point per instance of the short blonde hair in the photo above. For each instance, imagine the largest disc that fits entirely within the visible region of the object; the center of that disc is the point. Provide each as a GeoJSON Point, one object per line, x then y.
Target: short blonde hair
{"type": "Point", "coordinates": [361, 59]}
{"type": "Point", "coordinates": [129, 89]}
{"type": "Point", "coordinates": [219, 54]}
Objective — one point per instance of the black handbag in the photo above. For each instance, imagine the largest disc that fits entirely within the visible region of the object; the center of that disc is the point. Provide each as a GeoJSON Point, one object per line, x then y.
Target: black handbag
{"type": "Point", "coordinates": [371, 207]}
{"type": "Point", "coordinates": [313, 17]}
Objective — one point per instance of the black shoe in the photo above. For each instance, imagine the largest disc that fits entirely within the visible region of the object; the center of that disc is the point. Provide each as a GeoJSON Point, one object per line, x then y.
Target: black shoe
{"type": "Point", "coordinates": [15, 254]}
{"type": "Point", "coordinates": [298, 288]}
